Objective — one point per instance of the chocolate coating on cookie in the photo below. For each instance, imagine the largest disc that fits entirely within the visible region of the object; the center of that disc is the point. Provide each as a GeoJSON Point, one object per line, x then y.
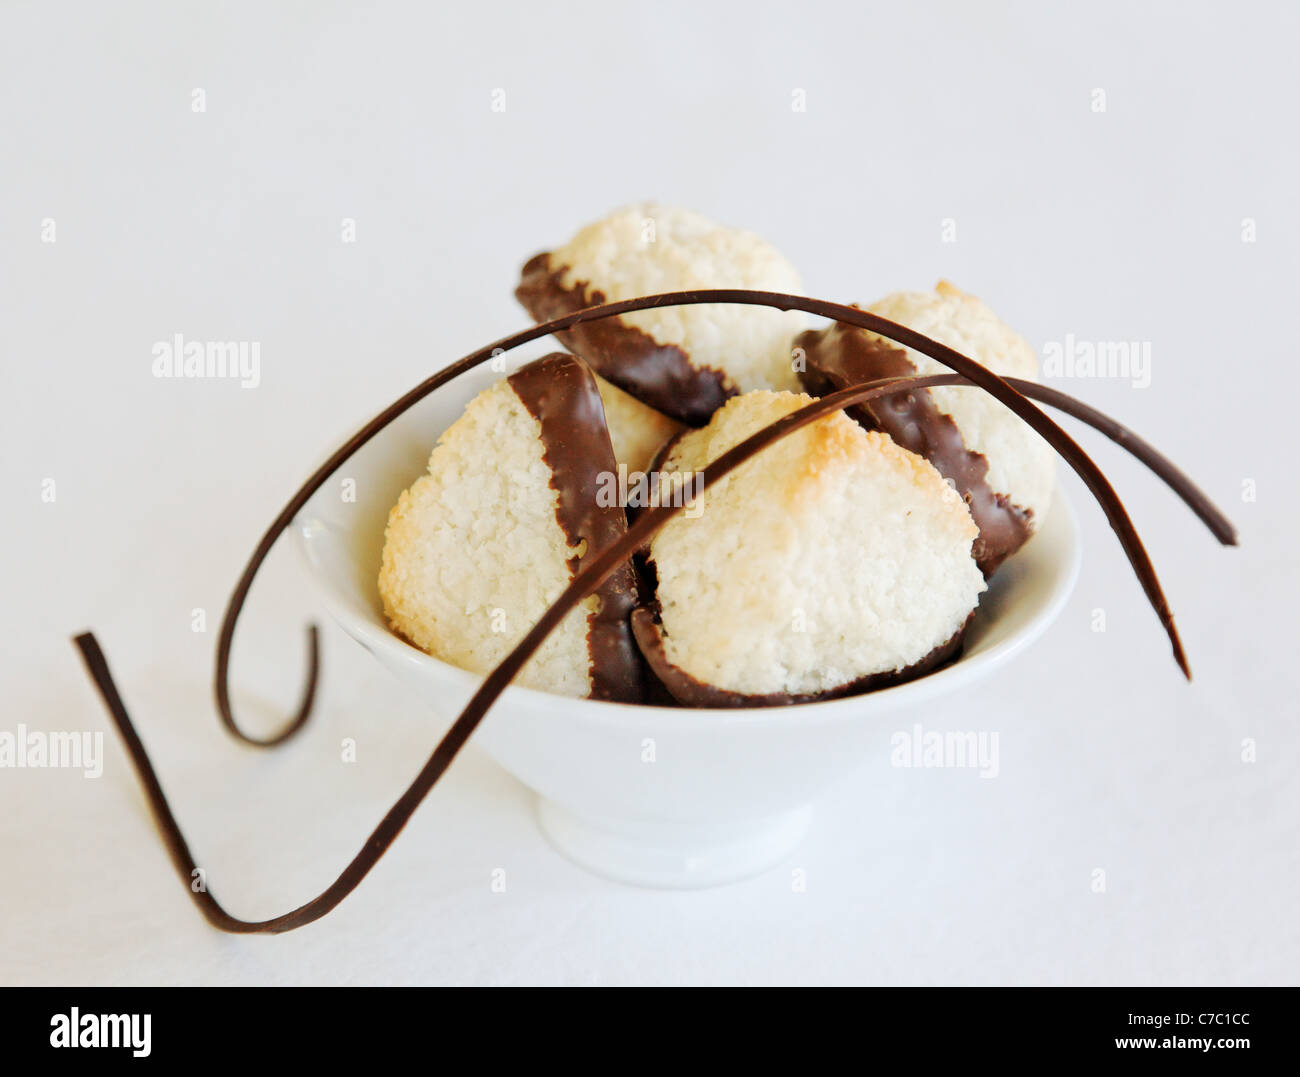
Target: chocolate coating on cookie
{"type": "Point", "coordinates": [559, 391]}
{"type": "Point", "coordinates": [660, 375]}
{"type": "Point", "coordinates": [690, 691]}
{"type": "Point", "coordinates": [842, 355]}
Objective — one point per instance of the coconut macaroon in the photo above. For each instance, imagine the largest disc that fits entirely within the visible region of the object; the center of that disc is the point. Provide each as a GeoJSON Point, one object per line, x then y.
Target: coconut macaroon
{"type": "Point", "coordinates": [636, 430]}
{"type": "Point", "coordinates": [682, 361]}
{"type": "Point", "coordinates": [995, 460]}
{"type": "Point", "coordinates": [832, 562]}
{"type": "Point", "coordinates": [477, 549]}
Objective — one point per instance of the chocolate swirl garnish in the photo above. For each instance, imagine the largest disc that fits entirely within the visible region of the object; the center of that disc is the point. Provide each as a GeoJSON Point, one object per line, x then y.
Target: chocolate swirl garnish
{"type": "Point", "coordinates": [839, 357]}
{"type": "Point", "coordinates": [583, 583]}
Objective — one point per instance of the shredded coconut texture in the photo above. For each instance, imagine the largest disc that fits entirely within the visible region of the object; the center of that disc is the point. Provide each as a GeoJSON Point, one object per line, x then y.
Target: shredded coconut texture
{"type": "Point", "coordinates": [832, 555]}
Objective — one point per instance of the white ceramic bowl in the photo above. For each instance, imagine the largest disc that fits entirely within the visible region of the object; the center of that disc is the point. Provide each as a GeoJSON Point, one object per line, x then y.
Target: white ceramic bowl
{"type": "Point", "coordinates": [651, 795]}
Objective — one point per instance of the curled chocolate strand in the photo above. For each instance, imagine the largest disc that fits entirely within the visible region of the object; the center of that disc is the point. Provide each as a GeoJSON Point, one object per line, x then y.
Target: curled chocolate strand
{"type": "Point", "coordinates": [1187, 491]}
{"type": "Point", "coordinates": [492, 687]}
{"type": "Point", "coordinates": [601, 564]}
{"type": "Point", "coordinates": [974, 372]}
{"type": "Point", "coordinates": [1192, 495]}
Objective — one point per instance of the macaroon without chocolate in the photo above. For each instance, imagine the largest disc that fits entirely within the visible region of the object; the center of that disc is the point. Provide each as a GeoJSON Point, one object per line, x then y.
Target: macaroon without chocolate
{"type": "Point", "coordinates": [682, 361]}
{"type": "Point", "coordinates": [637, 431]}
{"type": "Point", "coordinates": [1003, 469]}
{"type": "Point", "coordinates": [477, 549]}
{"type": "Point", "coordinates": [833, 562]}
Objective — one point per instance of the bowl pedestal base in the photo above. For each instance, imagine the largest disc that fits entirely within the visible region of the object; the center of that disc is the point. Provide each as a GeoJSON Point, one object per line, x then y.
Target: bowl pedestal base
{"type": "Point", "coordinates": [679, 856]}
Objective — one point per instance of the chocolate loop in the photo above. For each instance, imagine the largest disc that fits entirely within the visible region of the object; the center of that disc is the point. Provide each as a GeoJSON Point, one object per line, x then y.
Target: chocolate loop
{"type": "Point", "coordinates": [586, 580]}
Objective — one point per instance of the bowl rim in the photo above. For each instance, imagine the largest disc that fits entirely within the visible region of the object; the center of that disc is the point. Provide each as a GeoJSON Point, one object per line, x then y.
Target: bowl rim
{"type": "Point", "coordinates": [390, 649]}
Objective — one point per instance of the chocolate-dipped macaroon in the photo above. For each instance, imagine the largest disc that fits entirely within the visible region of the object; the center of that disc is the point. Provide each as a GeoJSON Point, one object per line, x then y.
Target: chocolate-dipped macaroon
{"type": "Point", "coordinates": [833, 562]}
{"type": "Point", "coordinates": [682, 361]}
{"type": "Point", "coordinates": [477, 549]}
{"type": "Point", "coordinates": [1004, 470]}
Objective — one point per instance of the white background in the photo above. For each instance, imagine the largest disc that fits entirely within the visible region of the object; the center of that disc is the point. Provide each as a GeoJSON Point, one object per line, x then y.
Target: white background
{"type": "Point", "coordinates": [1125, 224]}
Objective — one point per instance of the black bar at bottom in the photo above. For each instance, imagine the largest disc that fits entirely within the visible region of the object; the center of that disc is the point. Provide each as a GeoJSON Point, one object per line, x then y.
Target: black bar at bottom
{"type": "Point", "coordinates": [337, 1025]}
